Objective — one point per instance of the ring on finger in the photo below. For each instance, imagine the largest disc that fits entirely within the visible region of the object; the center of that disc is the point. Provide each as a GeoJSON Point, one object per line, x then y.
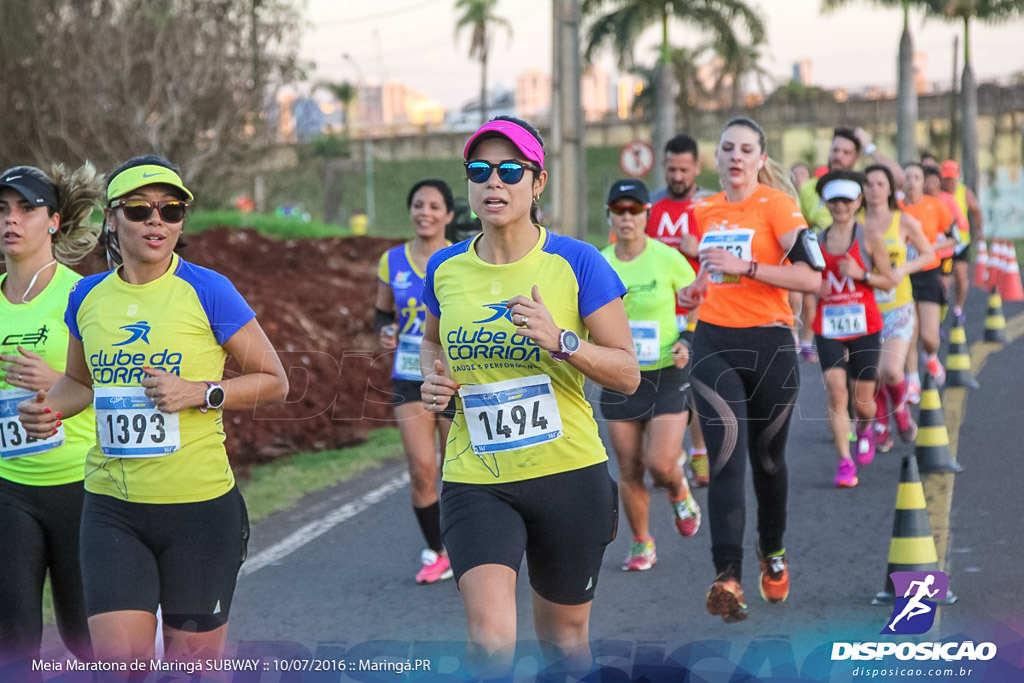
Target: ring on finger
{"type": "Point", "coordinates": [434, 401]}
{"type": "Point", "coordinates": [523, 320]}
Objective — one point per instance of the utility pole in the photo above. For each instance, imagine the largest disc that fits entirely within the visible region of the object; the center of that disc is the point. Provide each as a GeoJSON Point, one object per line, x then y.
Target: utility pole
{"type": "Point", "coordinates": [953, 100]}
{"type": "Point", "coordinates": [567, 170]}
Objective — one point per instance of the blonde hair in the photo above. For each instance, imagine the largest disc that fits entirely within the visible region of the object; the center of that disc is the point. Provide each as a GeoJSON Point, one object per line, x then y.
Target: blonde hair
{"type": "Point", "coordinates": [775, 175]}
{"type": "Point", "coordinates": [80, 196]}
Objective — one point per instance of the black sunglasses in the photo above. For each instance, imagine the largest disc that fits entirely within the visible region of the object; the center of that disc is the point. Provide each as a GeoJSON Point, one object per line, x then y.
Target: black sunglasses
{"type": "Point", "coordinates": [139, 210]}
{"type": "Point", "coordinates": [510, 171]}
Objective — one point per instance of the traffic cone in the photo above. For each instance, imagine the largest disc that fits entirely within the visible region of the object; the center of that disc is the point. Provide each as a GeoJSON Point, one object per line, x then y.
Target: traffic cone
{"type": "Point", "coordinates": [932, 445]}
{"type": "Point", "coordinates": [1010, 286]}
{"type": "Point", "coordinates": [958, 361]}
{"type": "Point", "coordinates": [995, 323]}
{"type": "Point", "coordinates": [912, 548]}
{"type": "Point", "coordinates": [995, 265]}
{"type": "Point", "coordinates": [981, 265]}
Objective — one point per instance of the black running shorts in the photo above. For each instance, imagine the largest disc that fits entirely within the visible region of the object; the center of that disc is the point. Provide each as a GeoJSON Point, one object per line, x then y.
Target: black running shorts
{"type": "Point", "coordinates": [563, 522]}
{"type": "Point", "coordinates": [184, 557]}
{"type": "Point", "coordinates": [927, 286]}
{"type": "Point", "coordinates": [858, 357]}
{"type": "Point", "coordinates": [661, 392]}
{"type": "Point", "coordinates": [408, 391]}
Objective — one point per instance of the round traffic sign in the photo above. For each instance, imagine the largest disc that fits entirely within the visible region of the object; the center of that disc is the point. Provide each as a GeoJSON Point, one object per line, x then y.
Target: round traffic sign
{"type": "Point", "coordinates": [636, 158]}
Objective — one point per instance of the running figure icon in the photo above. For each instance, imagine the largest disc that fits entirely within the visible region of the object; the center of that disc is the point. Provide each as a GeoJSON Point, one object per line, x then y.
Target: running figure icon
{"type": "Point", "coordinates": [916, 605]}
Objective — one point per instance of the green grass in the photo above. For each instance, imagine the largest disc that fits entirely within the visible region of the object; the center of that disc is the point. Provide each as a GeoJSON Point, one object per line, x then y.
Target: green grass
{"type": "Point", "coordinates": [274, 226]}
{"type": "Point", "coordinates": [280, 484]}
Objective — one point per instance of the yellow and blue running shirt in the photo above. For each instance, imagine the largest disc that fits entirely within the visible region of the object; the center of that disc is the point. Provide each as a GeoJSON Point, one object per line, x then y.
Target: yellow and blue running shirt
{"type": "Point", "coordinates": [177, 323]}
{"type": "Point", "coordinates": [397, 270]}
{"type": "Point", "coordinates": [652, 280]}
{"type": "Point", "coordinates": [525, 392]}
{"type": "Point", "coordinates": [38, 326]}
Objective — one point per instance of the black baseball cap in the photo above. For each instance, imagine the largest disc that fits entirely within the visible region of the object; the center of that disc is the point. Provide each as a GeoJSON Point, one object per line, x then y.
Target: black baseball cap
{"type": "Point", "coordinates": [629, 189]}
{"type": "Point", "coordinates": [32, 184]}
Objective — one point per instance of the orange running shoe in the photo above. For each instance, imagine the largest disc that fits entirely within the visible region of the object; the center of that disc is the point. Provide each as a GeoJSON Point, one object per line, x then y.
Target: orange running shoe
{"type": "Point", "coordinates": [774, 583]}
{"type": "Point", "coordinates": [725, 598]}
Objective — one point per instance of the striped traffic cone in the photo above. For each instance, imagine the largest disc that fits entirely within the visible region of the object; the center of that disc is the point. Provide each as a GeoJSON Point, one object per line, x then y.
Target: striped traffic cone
{"type": "Point", "coordinates": [932, 445]}
{"type": "Point", "coordinates": [995, 323]}
{"type": "Point", "coordinates": [1010, 287]}
{"type": "Point", "coordinates": [958, 361]}
{"type": "Point", "coordinates": [912, 548]}
{"type": "Point", "coordinates": [981, 265]}
{"type": "Point", "coordinates": [995, 265]}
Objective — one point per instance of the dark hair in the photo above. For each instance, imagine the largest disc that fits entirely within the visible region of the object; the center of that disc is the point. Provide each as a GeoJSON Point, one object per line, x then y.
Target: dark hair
{"type": "Point", "coordinates": [145, 160]}
{"type": "Point", "coordinates": [682, 144]}
{"type": "Point", "coordinates": [893, 204]}
{"type": "Point", "coordinates": [752, 125]}
{"type": "Point", "coordinates": [855, 176]}
{"type": "Point", "coordinates": [913, 164]}
{"type": "Point", "coordinates": [928, 155]}
{"type": "Point", "coordinates": [848, 134]}
{"type": "Point", "coordinates": [439, 185]}
{"type": "Point", "coordinates": [931, 170]}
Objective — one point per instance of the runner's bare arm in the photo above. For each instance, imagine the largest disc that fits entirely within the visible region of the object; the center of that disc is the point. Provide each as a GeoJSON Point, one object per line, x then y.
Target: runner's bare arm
{"type": "Point", "coordinates": [69, 396]}
{"type": "Point", "coordinates": [910, 229]}
{"type": "Point", "coordinates": [437, 380]}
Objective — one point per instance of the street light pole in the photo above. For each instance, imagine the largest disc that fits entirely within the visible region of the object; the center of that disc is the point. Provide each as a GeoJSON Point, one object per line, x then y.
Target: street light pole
{"type": "Point", "coordinates": [568, 170]}
{"type": "Point", "coordinates": [371, 209]}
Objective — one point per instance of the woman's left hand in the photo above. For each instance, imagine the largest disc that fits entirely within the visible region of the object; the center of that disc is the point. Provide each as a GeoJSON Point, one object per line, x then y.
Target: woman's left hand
{"type": "Point", "coordinates": [848, 267]}
{"type": "Point", "coordinates": [170, 393]}
{"type": "Point", "coordinates": [680, 354]}
{"type": "Point", "coordinates": [723, 261]}
{"type": "Point", "coordinates": [534, 321]}
{"type": "Point", "coordinates": [29, 371]}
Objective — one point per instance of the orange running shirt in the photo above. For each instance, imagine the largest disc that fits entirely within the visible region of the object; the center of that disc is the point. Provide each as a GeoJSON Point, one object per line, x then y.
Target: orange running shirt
{"type": "Point", "coordinates": [753, 226]}
{"type": "Point", "coordinates": [935, 219]}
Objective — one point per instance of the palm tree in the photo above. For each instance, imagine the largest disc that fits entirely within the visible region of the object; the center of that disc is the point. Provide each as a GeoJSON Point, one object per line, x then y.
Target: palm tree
{"type": "Point", "coordinates": [906, 92]}
{"type": "Point", "coordinates": [620, 23]}
{"type": "Point", "coordinates": [739, 61]}
{"type": "Point", "coordinates": [988, 11]}
{"type": "Point", "coordinates": [479, 17]}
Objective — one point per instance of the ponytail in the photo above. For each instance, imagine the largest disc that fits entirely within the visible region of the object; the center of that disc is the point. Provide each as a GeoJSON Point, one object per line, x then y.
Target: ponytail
{"type": "Point", "coordinates": [80, 193]}
{"type": "Point", "coordinates": [775, 175]}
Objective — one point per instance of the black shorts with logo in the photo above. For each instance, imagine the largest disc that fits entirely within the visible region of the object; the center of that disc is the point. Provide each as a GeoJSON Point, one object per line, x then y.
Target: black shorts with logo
{"type": "Point", "coordinates": [562, 522]}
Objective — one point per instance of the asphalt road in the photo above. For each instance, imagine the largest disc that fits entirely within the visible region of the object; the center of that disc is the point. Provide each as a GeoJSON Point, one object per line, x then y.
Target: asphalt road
{"type": "Point", "coordinates": [349, 592]}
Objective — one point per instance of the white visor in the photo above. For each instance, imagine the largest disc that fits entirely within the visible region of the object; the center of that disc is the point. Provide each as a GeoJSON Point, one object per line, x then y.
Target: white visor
{"type": "Point", "coordinates": [840, 189]}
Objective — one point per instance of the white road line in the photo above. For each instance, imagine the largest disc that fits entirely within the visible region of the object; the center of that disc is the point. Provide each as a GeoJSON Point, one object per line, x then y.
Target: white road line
{"type": "Point", "coordinates": [309, 532]}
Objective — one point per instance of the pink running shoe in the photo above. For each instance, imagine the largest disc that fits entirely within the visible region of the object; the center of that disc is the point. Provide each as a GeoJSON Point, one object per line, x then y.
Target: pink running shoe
{"type": "Point", "coordinates": [913, 389]}
{"type": "Point", "coordinates": [846, 478]}
{"type": "Point", "coordinates": [687, 514]}
{"type": "Point", "coordinates": [883, 438]}
{"type": "Point", "coordinates": [435, 567]}
{"type": "Point", "coordinates": [865, 445]}
{"type": "Point", "coordinates": [905, 424]}
{"type": "Point", "coordinates": [641, 556]}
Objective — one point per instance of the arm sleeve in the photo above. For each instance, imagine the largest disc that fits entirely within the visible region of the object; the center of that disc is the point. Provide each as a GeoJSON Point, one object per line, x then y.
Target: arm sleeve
{"type": "Point", "coordinates": [226, 310]}
{"type": "Point", "coordinates": [428, 296]}
{"type": "Point", "coordinates": [598, 281]}
{"type": "Point", "coordinates": [382, 268]}
{"type": "Point", "coordinates": [784, 215]}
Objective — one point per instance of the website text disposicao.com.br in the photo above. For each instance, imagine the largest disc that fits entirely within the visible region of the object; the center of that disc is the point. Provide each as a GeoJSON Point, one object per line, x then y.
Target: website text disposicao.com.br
{"type": "Point", "coordinates": [886, 672]}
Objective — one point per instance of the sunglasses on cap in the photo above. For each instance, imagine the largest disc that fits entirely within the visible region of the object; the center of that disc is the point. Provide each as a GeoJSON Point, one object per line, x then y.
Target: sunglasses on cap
{"type": "Point", "coordinates": [139, 210]}
{"type": "Point", "coordinates": [509, 172]}
{"type": "Point", "coordinates": [631, 208]}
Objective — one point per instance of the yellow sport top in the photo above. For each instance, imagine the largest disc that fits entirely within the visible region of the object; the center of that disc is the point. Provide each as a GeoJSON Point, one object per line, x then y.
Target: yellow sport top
{"type": "Point", "coordinates": [177, 323]}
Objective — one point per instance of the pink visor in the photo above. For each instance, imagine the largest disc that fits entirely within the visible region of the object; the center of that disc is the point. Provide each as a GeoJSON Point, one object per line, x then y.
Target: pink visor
{"type": "Point", "coordinates": [516, 134]}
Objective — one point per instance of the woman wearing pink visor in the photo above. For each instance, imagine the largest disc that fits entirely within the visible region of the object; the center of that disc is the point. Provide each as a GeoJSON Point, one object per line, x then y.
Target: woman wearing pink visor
{"type": "Point", "coordinates": [517, 318]}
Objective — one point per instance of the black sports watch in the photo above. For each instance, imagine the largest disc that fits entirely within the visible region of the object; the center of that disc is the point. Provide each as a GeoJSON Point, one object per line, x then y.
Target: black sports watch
{"type": "Point", "coordinates": [214, 397]}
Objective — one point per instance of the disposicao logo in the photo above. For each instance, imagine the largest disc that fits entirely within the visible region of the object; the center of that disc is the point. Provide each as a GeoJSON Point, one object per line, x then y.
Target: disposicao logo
{"type": "Point", "coordinates": [139, 330]}
{"type": "Point", "coordinates": [913, 613]}
{"type": "Point", "coordinates": [500, 310]}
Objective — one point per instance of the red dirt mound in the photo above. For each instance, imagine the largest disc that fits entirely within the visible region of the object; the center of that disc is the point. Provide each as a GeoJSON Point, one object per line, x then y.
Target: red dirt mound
{"type": "Point", "coordinates": [315, 300]}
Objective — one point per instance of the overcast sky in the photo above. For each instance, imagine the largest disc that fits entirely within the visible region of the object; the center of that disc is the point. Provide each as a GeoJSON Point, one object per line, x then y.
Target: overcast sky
{"type": "Point", "coordinates": [414, 41]}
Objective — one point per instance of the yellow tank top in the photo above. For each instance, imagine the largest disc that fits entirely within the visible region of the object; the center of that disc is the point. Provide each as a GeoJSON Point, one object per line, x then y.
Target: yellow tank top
{"type": "Point", "coordinates": [960, 194]}
{"type": "Point", "coordinates": [897, 249]}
